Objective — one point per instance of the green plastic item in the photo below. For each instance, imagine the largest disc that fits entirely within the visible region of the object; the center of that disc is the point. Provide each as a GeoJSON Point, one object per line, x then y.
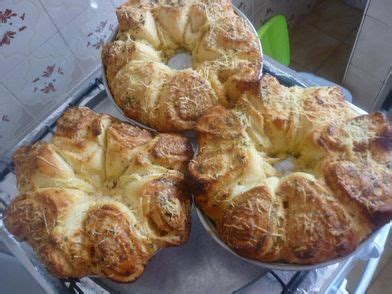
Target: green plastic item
{"type": "Point", "coordinates": [274, 37]}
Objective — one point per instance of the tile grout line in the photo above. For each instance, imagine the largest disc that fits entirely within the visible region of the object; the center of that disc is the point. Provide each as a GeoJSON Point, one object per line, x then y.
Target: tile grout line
{"type": "Point", "coordinates": [356, 39]}
{"type": "Point", "coordinates": [328, 55]}
{"type": "Point", "coordinates": [58, 30]}
{"type": "Point", "coordinates": [17, 100]}
{"type": "Point", "coordinates": [72, 51]}
{"type": "Point", "coordinates": [85, 74]}
{"type": "Point", "coordinates": [332, 37]}
{"type": "Point", "coordinates": [51, 19]}
{"type": "Point", "coordinates": [326, 33]}
{"type": "Point", "coordinates": [27, 57]}
{"type": "Point", "coordinates": [377, 20]}
{"type": "Point", "coordinates": [38, 46]}
{"type": "Point", "coordinates": [47, 13]}
{"type": "Point", "coordinates": [27, 129]}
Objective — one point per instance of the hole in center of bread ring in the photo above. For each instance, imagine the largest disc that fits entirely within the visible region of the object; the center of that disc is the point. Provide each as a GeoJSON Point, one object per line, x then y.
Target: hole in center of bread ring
{"type": "Point", "coordinates": [180, 60]}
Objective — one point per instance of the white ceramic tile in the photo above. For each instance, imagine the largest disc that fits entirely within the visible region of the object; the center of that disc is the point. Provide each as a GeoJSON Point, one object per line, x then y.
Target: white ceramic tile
{"type": "Point", "coordinates": [14, 120]}
{"type": "Point", "coordinates": [62, 12]}
{"type": "Point", "coordinates": [24, 26]}
{"type": "Point", "coordinates": [381, 10]}
{"type": "Point", "coordinates": [374, 47]}
{"type": "Point", "coordinates": [363, 86]}
{"type": "Point", "coordinates": [45, 78]}
{"type": "Point", "coordinates": [88, 32]}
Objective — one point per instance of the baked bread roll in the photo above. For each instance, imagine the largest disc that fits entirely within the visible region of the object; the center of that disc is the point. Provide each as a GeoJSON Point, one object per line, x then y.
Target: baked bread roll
{"type": "Point", "coordinates": [336, 193]}
{"type": "Point", "coordinates": [225, 52]}
{"type": "Point", "coordinates": [102, 198]}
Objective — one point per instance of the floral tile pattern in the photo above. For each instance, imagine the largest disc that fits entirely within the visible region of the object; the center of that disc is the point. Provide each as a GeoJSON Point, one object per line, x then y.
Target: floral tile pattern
{"type": "Point", "coordinates": [46, 81]}
{"type": "Point", "coordinates": [14, 120]}
{"type": "Point", "coordinates": [97, 37]}
{"type": "Point", "coordinates": [42, 81]}
{"type": "Point", "coordinates": [15, 24]}
{"type": "Point", "coordinates": [24, 26]}
{"type": "Point", "coordinates": [47, 47]}
{"type": "Point", "coordinates": [88, 32]}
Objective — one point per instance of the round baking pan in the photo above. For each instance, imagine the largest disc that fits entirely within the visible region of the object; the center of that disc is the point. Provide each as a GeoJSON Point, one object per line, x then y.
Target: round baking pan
{"type": "Point", "coordinates": [206, 222]}
{"type": "Point", "coordinates": [109, 93]}
{"type": "Point", "coordinates": [208, 225]}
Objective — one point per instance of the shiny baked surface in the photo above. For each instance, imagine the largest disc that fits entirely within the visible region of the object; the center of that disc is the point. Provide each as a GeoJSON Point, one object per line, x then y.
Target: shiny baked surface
{"type": "Point", "coordinates": [225, 54]}
{"type": "Point", "coordinates": [102, 198]}
{"type": "Point", "coordinates": [338, 191]}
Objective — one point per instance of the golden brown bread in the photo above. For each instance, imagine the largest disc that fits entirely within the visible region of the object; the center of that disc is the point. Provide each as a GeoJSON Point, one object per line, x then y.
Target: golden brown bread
{"type": "Point", "coordinates": [102, 198]}
{"type": "Point", "coordinates": [225, 55]}
{"type": "Point", "coordinates": [338, 190]}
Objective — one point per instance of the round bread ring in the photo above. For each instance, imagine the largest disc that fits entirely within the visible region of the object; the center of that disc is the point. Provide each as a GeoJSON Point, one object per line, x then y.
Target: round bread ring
{"type": "Point", "coordinates": [226, 57]}
{"type": "Point", "coordinates": [102, 197]}
{"type": "Point", "coordinates": [338, 195]}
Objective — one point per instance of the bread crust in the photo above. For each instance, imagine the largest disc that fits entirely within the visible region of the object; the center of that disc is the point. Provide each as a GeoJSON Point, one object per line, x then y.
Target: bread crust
{"type": "Point", "coordinates": [338, 192]}
{"type": "Point", "coordinates": [225, 54]}
{"type": "Point", "coordinates": [102, 198]}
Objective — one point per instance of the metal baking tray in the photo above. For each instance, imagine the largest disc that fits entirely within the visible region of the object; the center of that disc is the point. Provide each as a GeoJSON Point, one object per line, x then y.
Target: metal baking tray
{"type": "Point", "coordinates": [180, 63]}
{"type": "Point", "coordinates": [201, 265]}
{"type": "Point", "coordinates": [198, 266]}
{"type": "Point", "coordinates": [287, 79]}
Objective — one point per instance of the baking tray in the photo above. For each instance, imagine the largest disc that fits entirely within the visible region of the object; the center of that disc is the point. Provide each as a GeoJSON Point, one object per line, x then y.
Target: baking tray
{"type": "Point", "coordinates": [198, 266]}
{"type": "Point", "coordinates": [288, 78]}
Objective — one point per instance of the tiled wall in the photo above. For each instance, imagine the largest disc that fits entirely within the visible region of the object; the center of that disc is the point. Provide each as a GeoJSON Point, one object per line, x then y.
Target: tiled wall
{"type": "Point", "coordinates": [47, 47]}
{"type": "Point", "coordinates": [371, 59]}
